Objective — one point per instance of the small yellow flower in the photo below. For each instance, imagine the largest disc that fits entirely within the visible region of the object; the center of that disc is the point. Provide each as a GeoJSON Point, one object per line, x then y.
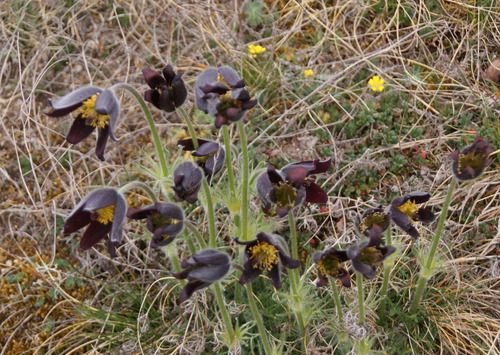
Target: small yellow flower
{"type": "Point", "coordinates": [255, 50]}
{"type": "Point", "coordinates": [376, 83]}
{"type": "Point", "coordinates": [308, 73]}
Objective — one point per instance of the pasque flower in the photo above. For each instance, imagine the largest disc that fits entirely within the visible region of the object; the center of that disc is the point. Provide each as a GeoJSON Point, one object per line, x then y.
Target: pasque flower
{"type": "Point", "coordinates": [471, 161]}
{"type": "Point", "coordinates": [329, 264]}
{"type": "Point", "coordinates": [95, 108]}
{"type": "Point", "coordinates": [201, 270]}
{"type": "Point", "coordinates": [266, 252]}
{"type": "Point", "coordinates": [371, 217]}
{"type": "Point", "coordinates": [168, 91]}
{"type": "Point", "coordinates": [209, 155]}
{"type": "Point", "coordinates": [405, 211]}
{"type": "Point", "coordinates": [368, 255]}
{"type": "Point", "coordinates": [221, 93]}
{"type": "Point", "coordinates": [291, 186]}
{"type": "Point", "coordinates": [187, 182]}
{"type": "Point", "coordinates": [103, 211]}
{"type": "Point", "coordinates": [164, 220]}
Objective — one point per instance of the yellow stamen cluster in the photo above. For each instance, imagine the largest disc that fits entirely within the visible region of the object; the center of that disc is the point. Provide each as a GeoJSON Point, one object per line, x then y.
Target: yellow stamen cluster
{"type": "Point", "coordinates": [105, 215]}
{"type": "Point", "coordinates": [265, 256]}
{"type": "Point", "coordinates": [285, 194]}
{"type": "Point", "coordinates": [378, 218]}
{"type": "Point", "coordinates": [409, 208]}
{"type": "Point", "coordinates": [370, 256]}
{"type": "Point", "coordinates": [329, 265]}
{"type": "Point", "coordinates": [92, 117]}
{"type": "Point", "coordinates": [473, 159]}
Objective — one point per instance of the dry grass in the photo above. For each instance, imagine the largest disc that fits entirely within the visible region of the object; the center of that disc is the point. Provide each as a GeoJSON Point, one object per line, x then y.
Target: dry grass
{"type": "Point", "coordinates": [54, 296]}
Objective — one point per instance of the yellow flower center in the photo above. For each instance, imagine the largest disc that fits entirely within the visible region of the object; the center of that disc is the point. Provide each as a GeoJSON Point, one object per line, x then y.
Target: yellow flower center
{"type": "Point", "coordinates": [285, 194]}
{"type": "Point", "coordinates": [265, 256]}
{"type": "Point", "coordinates": [377, 218]}
{"type": "Point", "coordinates": [104, 215]}
{"type": "Point", "coordinates": [92, 117]}
{"type": "Point", "coordinates": [409, 208]}
{"type": "Point", "coordinates": [329, 265]}
{"type": "Point", "coordinates": [370, 256]}
{"type": "Point", "coordinates": [473, 159]}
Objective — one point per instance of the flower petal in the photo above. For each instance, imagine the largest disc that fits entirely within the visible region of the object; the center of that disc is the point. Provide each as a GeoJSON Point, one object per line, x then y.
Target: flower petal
{"type": "Point", "coordinates": [315, 194]}
{"type": "Point", "coordinates": [74, 98]}
{"type": "Point", "coordinates": [191, 287]}
{"type": "Point", "coordinates": [94, 234]}
{"type": "Point", "coordinates": [77, 220]}
{"type": "Point", "coordinates": [118, 218]}
{"type": "Point", "coordinates": [153, 78]}
{"type": "Point", "coordinates": [102, 140]}
{"type": "Point", "coordinates": [79, 131]}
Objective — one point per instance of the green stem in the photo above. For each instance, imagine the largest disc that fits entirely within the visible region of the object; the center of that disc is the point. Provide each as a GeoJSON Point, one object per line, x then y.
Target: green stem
{"type": "Point", "coordinates": [197, 234]}
{"type": "Point", "coordinates": [361, 298]}
{"type": "Point", "coordinates": [426, 271]}
{"type": "Point", "coordinates": [385, 282]}
{"type": "Point", "coordinates": [189, 123]}
{"type": "Point", "coordinates": [336, 298]}
{"type": "Point", "coordinates": [258, 319]}
{"type": "Point", "coordinates": [212, 233]}
{"type": "Point", "coordinates": [137, 184]}
{"type": "Point", "coordinates": [229, 165]}
{"type": "Point", "coordinates": [244, 185]}
{"type": "Point", "coordinates": [151, 122]}
{"type": "Point", "coordinates": [212, 244]}
{"type": "Point", "coordinates": [224, 311]}
{"type": "Point", "coordinates": [294, 273]}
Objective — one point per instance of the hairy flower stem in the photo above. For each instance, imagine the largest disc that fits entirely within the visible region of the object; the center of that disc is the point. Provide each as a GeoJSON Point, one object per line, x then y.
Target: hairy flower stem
{"type": "Point", "coordinates": [138, 185]}
{"type": "Point", "coordinates": [385, 282]}
{"type": "Point", "coordinates": [229, 165]}
{"type": "Point", "coordinates": [258, 319]}
{"type": "Point", "coordinates": [427, 268]}
{"type": "Point", "coordinates": [336, 298]}
{"type": "Point", "coordinates": [156, 138]}
{"type": "Point", "coordinates": [189, 124]}
{"type": "Point", "coordinates": [212, 244]}
{"type": "Point", "coordinates": [244, 185]}
{"type": "Point", "coordinates": [294, 273]}
{"type": "Point", "coordinates": [361, 298]}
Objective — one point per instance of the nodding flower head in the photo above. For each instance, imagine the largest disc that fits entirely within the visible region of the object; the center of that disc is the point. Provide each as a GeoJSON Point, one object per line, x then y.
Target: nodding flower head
{"type": "Point", "coordinates": [209, 155]}
{"type": "Point", "coordinates": [187, 182]}
{"type": "Point", "coordinates": [168, 91]}
{"type": "Point", "coordinates": [164, 220]}
{"type": "Point", "coordinates": [201, 270]}
{"type": "Point", "coordinates": [95, 108]}
{"type": "Point", "coordinates": [368, 255]}
{"type": "Point", "coordinates": [103, 210]}
{"type": "Point", "coordinates": [371, 217]}
{"type": "Point", "coordinates": [291, 186]}
{"type": "Point", "coordinates": [404, 211]}
{"type": "Point", "coordinates": [221, 93]}
{"type": "Point", "coordinates": [471, 161]}
{"type": "Point", "coordinates": [328, 263]}
{"type": "Point", "coordinates": [265, 253]}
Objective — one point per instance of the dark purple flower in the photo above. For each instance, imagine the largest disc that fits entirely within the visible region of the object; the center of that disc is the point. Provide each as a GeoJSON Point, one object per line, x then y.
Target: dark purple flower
{"type": "Point", "coordinates": [404, 211]}
{"type": "Point", "coordinates": [187, 182]}
{"type": "Point", "coordinates": [221, 93]}
{"type": "Point", "coordinates": [168, 91]}
{"type": "Point", "coordinates": [201, 270]}
{"type": "Point", "coordinates": [369, 254]}
{"type": "Point", "coordinates": [265, 253]}
{"type": "Point", "coordinates": [209, 155]}
{"type": "Point", "coordinates": [329, 264]}
{"type": "Point", "coordinates": [471, 161]}
{"type": "Point", "coordinates": [103, 210]}
{"type": "Point", "coordinates": [291, 186]}
{"type": "Point", "coordinates": [371, 217]}
{"type": "Point", "coordinates": [95, 108]}
{"type": "Point", "coordinates": [164, 220]}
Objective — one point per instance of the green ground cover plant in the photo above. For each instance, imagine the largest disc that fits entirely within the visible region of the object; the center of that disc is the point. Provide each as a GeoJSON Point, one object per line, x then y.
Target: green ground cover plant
{"type": "Point", "coordinates": [249, 177]}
